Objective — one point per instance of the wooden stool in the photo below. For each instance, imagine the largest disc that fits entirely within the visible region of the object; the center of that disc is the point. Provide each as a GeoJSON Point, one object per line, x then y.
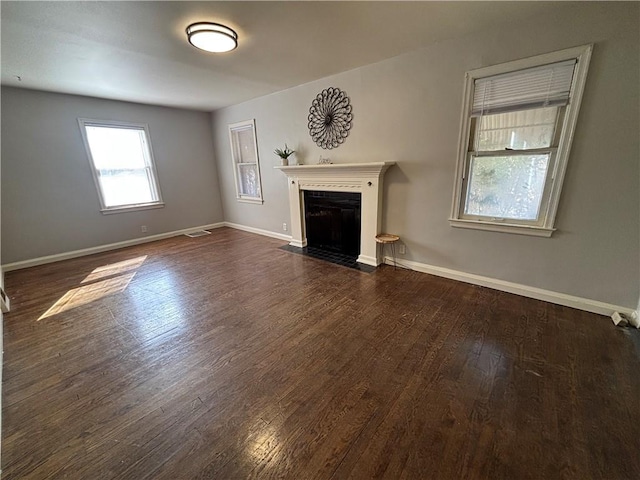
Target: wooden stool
{"type": "Point", "coordinates": [388, 239]}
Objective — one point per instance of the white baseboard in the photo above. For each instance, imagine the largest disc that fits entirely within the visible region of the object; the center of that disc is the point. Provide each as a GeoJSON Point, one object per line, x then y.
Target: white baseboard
{"type": "Point", "coordinates": [367, 260]}
{"type": "Point", "coordinates": [259, 231]}
{"type": "Point", "coordinates": [588, 305]}
{"type": "Point", "coordinates": [298, 244]}
{"type": "Point", "coordinates": [580, 303]}
{"type": "Point", "coordinates": [104, 248]}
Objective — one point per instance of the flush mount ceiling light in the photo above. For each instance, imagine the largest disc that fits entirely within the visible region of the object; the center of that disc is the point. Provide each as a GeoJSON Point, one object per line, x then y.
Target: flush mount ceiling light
{"type": "Point", "coordinates": [212, 37]}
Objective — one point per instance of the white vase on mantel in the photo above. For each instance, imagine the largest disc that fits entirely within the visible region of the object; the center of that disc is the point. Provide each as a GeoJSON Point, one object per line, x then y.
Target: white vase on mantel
{"type": "Point", "coordinates": [284, 162]}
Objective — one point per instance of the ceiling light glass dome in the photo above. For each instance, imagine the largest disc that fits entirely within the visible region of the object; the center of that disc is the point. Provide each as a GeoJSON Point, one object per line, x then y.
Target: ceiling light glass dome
{"type": "Point", "coordinates": [212, 37]}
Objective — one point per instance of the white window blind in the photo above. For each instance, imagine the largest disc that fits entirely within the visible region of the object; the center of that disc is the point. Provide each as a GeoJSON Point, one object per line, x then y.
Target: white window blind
{"type": "Point", "coordinates": [543, 86]}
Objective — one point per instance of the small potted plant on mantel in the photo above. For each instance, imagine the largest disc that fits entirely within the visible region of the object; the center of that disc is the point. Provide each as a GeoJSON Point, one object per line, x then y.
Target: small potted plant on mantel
{"type": "Point", "coordinates": [284, 154]}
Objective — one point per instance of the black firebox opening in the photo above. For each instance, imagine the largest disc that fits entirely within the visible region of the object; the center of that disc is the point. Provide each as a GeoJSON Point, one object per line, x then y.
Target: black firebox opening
{"type": "Point", "coordinates": [332, 221]}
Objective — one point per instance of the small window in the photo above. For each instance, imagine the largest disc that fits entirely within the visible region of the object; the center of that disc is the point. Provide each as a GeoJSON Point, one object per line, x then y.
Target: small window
{"type": "Point", "coordinates": [122, 165]}
{"type": "Point", "coordinates": [246, 167]}
{"type": "Point", "coordinates": [518, 122]}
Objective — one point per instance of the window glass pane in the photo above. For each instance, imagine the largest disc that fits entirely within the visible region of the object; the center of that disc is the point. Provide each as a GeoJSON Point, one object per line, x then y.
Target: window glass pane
{"type": "Point", "coordinates": [248, 179]}
{"type": "Point", "coordinates": [114, 148]}
{"type": "Point", "coordinates": [125, 187]}
{"type": "Point", "coordinates": [518, 130]}
{"type": "Point", "coordinates": [245, 147]}
{"type": "Point", "coordinates": [506, 187]}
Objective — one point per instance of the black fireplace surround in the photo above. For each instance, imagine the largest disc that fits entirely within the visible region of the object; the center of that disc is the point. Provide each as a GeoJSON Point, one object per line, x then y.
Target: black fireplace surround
{"type": "Point", "coordinates": [332, 221]}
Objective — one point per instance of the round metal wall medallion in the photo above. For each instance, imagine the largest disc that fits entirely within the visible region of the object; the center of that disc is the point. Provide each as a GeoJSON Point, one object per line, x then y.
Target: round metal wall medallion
{"type": "Point", "coordinates": [330, 118]}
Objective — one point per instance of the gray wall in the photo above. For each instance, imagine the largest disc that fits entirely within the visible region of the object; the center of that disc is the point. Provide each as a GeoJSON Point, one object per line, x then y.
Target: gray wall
{"type": "Point", "coordinates": [49, 200]}
{"type": "Point", "coordinates": [407, 109]}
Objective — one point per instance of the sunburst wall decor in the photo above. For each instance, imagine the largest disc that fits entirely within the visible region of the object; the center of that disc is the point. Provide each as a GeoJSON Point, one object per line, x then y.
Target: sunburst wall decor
{"type": "Point", "coordinates": [330, 118]}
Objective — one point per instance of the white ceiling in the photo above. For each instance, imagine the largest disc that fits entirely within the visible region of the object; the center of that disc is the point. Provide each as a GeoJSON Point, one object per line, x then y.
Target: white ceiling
{"type": "Point", "coordinates": [137, 51]}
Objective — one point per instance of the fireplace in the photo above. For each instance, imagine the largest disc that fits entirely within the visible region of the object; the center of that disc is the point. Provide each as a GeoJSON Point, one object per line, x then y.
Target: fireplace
{"type": "Point", "coordinates": [332, 221]}
{"type": "Point", "coordinates": [362, 179]}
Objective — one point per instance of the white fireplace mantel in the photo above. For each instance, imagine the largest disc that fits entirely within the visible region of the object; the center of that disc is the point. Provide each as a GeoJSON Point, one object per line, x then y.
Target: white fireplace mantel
{"type": "Point", "coordinates": [363, 178]}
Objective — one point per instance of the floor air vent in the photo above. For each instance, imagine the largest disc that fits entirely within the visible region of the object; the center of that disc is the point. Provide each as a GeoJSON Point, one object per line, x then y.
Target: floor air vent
{"type": "Point", "coordinates": [199, 233]}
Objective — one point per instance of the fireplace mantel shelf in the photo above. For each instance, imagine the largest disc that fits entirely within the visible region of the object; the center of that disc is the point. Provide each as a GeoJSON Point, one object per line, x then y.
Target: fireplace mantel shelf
{"type": "Point", "coordinates": [363, 178]}
{"type": "Point", "coordinates": [337, 169]}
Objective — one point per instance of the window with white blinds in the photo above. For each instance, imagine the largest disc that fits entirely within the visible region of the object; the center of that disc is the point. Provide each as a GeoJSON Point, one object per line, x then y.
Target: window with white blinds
{"type": "Point", "coordinates": [518, 122]}
{"type": "Point", "coordinates": [246, 167]}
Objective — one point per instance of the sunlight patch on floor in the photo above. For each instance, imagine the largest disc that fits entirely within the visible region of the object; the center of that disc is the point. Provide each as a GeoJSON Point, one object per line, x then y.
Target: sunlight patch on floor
{"type": "Point", "coordinates": [77, 297]}
{"type": "Point", "coordinates": [121, 274]}
{"type": "Point", "coordinates": [115, 269]}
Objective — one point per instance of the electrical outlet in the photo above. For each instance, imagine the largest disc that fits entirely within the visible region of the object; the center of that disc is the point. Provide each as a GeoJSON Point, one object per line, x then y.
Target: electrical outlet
{"type": "Point", "coordinates": [402, 249]}
{"type": "Point", "coordinates": [143, 228]}
{"type": "Point", "coordinates": [284, 227]}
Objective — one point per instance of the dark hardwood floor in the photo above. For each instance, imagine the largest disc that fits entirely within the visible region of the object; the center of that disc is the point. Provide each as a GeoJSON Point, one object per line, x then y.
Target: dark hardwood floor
{"type": "Point", "coordinates": [224, 357]}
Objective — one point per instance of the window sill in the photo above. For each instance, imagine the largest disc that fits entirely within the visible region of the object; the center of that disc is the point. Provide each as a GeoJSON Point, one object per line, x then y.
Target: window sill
{"type": "Point", "coordinates": [255, 201]}
{"type": "Point", "coordinates": [503, 227]}
{"type": "Point", "coordinates": [131, 208]}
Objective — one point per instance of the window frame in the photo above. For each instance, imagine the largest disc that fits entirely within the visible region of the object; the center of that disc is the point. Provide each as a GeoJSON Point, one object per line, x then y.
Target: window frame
{"type": "Point", "coordinates": [236, 165]}
{"type": "Point", "coordinates": [153, 181]}
{"type": "Point", "coordinates": [559, 154]}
